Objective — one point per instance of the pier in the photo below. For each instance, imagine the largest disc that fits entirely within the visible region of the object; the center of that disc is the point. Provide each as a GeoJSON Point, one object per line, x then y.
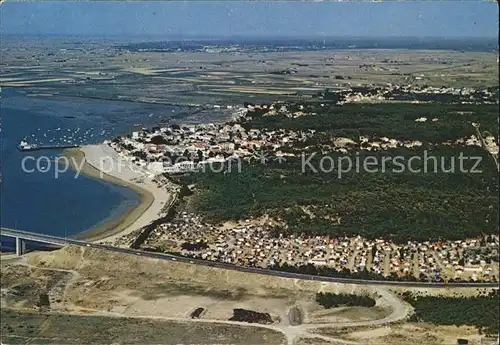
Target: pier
{"type": "Point", "coordinates": [27, 148]}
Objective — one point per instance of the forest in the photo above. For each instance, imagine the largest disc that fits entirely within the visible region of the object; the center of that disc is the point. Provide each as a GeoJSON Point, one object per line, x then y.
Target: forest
{"type": "Point", "coordinates": [391, 120]}
{"type": "Point", "coordinates": [333, 300]}
{"type": "Point", "coordinates": [399, 206]}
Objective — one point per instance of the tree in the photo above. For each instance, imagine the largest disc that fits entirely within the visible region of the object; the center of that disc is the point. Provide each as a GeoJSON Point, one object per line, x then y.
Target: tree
{"type": "Point", "coordinates": [158, 140]}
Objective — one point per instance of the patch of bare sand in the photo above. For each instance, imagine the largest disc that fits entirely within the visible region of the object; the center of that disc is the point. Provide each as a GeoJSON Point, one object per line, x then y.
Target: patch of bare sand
{"type": "Point", "coordinates": [130, 304]}
{"type": "Point", "coordinates": [140, 286]}
{"type": "Point", "coordinates": [95, 263]}
{"type": "Point", "coordinates": [22, 286]}
{"type": "Point", "coordinates": [370, 334]}
{"type": "Point", "coordinates": [133, 285]}
{"type": "Point", "coordinates": [348, 314]}
{"type": "Point", "coordinates": [315, 341]}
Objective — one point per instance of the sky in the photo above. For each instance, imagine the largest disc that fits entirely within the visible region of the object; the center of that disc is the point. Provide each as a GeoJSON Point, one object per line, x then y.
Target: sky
{"type": "Point", "coordinates": [448, 18]}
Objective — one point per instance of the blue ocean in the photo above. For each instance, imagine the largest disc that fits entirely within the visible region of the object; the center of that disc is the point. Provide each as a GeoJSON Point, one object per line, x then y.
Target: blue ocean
{"type": "Point", "coordinates": [33, 198]}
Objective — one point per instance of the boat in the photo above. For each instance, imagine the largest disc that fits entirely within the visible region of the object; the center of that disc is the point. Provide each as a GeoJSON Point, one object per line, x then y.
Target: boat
{"type": "Point", "coordinates": [24, 146]}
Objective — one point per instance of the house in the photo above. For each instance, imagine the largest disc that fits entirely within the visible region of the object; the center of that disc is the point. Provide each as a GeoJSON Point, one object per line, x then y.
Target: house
{"type": "Point", "coordinates": [227, 146]}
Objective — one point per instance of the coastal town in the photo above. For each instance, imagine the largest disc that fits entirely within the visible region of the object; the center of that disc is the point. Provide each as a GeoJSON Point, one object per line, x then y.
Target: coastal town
{"type": "Point", "coordinates": [279, 173]}
{"type": "Point", "coordinates": [254, 243]}
{"type": "Point", "coordinates": [178, 149]}
{"type": "Point", "coordinates": [181, 148]}
{"type": "Point", "coordinates": [170, 150]}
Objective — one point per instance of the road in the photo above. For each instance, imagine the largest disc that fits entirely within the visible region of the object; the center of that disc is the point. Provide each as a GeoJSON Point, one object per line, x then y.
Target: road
{"type": "Point", "coordinates": [291, 332]}
{"type": "Point", "coordinates": [30, 236]}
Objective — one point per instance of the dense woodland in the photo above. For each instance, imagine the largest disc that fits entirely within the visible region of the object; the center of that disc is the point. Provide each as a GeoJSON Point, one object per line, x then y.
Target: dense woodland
{"type": "Point", "coordinates": [391, 120]}
{"type": "Point", "coordinates": [333, 300]}
{"type": "Point", "coordinates": [481, 311]}
{"type": "Point", "coordinates": [399, 206]}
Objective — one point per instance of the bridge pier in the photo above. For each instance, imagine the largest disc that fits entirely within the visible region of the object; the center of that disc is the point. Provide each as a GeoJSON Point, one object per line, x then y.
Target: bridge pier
{"type": "Point", "coordinates": [20, 246]}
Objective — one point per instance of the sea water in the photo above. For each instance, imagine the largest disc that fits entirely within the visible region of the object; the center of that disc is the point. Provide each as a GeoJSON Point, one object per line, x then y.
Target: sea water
{"type": "Point", "coordinates": [62, 205]}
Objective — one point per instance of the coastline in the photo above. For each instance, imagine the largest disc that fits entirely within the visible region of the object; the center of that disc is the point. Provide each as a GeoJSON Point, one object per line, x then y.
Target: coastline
{"type": "Point", "coordinates": [152, 198]}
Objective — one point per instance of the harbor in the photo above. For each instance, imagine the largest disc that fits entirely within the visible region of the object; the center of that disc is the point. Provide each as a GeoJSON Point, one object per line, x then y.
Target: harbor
{"type": "Point", "coordinates": [54, 202]}
{"type": "Point", "coordinates": [58, 138]}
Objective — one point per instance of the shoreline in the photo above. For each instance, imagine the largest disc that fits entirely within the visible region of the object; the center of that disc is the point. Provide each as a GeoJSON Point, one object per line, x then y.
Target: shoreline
{"type": "Point", "coordinates": [133, 217]}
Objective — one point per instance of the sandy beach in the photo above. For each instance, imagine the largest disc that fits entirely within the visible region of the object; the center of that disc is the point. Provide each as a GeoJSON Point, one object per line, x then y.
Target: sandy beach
{"type": "Point", "coordinates": [152, 199]}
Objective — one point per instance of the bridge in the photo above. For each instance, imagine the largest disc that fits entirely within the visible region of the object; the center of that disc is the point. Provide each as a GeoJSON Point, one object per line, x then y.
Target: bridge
{"type": "Point", "coordinates": [22, 236]}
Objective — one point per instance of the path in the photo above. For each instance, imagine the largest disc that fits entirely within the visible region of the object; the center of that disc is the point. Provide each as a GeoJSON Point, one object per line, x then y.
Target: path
{"type": "Point", "coordinates": [292, 333]}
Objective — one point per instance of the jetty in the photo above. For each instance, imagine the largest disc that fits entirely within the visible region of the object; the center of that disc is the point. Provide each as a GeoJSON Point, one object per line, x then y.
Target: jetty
{"type": "Point", "coordinates": [24, 147]}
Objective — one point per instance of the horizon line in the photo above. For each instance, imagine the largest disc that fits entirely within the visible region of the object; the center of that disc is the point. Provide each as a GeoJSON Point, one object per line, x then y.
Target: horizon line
{"type": "Point", "coordinates": [240, 36]}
